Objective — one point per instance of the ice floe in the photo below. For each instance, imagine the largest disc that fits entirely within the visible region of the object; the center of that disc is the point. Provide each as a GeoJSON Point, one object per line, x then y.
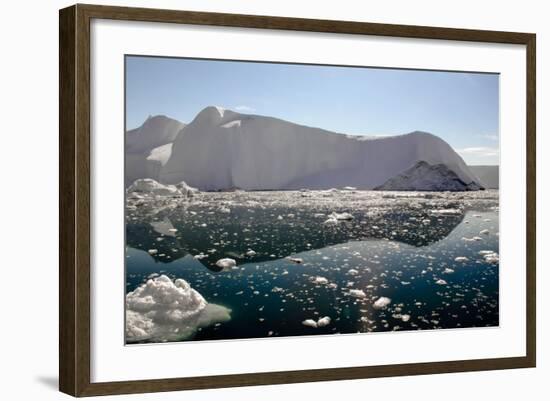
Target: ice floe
{"type": "Point", "coordinates": [322, 322]}
{"type": "Point", "coordinates": [166, 310]}
{"type": "Point", "coordinates": [357, 293]}
{"type": "Point", "coordinates": [381, 303]}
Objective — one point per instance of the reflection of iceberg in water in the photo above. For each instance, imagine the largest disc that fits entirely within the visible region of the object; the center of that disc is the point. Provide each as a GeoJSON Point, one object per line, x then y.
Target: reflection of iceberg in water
{"type": "Point", "coordinates": [245, 227]}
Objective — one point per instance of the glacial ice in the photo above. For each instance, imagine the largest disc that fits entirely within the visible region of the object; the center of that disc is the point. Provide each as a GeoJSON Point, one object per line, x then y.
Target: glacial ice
{"type": "Point", "coordinates": [223, 150]}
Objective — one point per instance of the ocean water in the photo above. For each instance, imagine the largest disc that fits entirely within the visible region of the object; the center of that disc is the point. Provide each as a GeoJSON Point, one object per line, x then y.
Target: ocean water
{"type": "Point", "coordinates": [434, 256]}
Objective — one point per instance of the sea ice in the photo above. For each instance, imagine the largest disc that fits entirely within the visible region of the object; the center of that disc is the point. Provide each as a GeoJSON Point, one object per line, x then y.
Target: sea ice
{"type": "Point", "coordinates": [226, 263]}
{"type": "Point", "coordinates": [381, 303]}
{"type": "Point", "coordinates": [357, 293]}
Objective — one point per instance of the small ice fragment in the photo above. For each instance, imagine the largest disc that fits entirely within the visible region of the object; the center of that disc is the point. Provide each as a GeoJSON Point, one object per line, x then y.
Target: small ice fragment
{"type": "Point", "coordinates": [152, 251]}
{"type": "Point", "coordinates": [324, 321]}
{"type": "Point", "coordinates": [251, 253]}
{"type": "Point", "coordinates": [491, 257]}
{"type": "Point", "coordinates": [226, 263]}
{"type": "Point", "coordinates": [485, 252]}
{"type": "Point", "coordinates": [357, 293]}
{"type": "Point", "coordinates": [441, 282]}
{"type": "Point", "coordinates": [310, 323]}
{"type": "Point", "coordinates": [341, 216]}
{"type": "Point", "coordinates": [448, 271]}
{"type": "Point", "coordinates": [320, 280]}
{"type": "Point", "coordinates": [405, 318]}
{"type": "Point", "coordinates": [352, 272]}
{"type": "Point", "coordinates": [461, 259]}
{"type": "Point", "coordinates": [381, 303]}
{"type": "Point", "coordinates": [485, 232]}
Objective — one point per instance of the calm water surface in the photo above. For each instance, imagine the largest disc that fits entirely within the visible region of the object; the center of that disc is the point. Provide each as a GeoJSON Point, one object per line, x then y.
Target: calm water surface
{"type": "Point", "coordinates": [434, 255]}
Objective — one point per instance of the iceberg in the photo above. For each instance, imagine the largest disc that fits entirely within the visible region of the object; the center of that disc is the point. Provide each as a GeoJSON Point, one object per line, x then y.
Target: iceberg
{"type": "Point", "coordinates": [223, 150]}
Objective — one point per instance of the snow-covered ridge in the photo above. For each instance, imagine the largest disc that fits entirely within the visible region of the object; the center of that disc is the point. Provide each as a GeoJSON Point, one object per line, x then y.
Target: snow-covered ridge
{"type": "Point", "coordinates": [222, 149]}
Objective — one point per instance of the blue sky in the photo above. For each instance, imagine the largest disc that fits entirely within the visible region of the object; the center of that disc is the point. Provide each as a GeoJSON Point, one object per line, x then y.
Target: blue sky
{"type": "Point", "coordinates": [461, 108]}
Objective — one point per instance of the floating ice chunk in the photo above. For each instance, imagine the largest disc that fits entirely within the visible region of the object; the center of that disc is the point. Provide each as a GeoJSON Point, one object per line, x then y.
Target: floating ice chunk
{"type": "Point", "coordinates": [320, 280]}
{"type": "Point", "coordinates": [405, 318]}
{"type": "Point", "coordinates": [224, 209]}
{"type": "Point", "coordinates": [349, 189]}
{"type": "Point", "coordinates": [484, 232]}
{"type": "Point", "coordinates": [341, 216]}
{"type": "Point", "coordinates": [295, 260]}
{"type": "Point", "coordinates": [485, 252]}
{"type": "Point", "coordinates": [200, 256]}
{"type": "Point", "coordinates": [491, 257]}
{"type": "Point", "coordinates": [461, 259]}
{"type": "Point", "coordinates": [166, 310]}
{"type": "Point", "coordinates": [322, 322]}
{"type": "Point", "coordinates": [330, 221]}
{"type": "Point", "coordinates": [446, 211]}
{"type": "Point", "coordinates": [448, 271]}
{"type": "Point", "coordinates": [186, 190]}
{"type": "Point", "coordinates": [153, 251]}
{"type": "Point", "coordinates": [381, 303]}
{"type": "Point", "coordinates": [279, 217]}
{"type": "Point", "coordinates": [149, 186]}
{"type": "Point", "coordinates": [441, 282]}
{"type": "Point", "coordinates": [357, 293]}
{"type": "Point", "coordinates": [226, 263]}
{"type": "Point", "coordinates": [473, 239]}
{"type": "Point", "coordinates": [310, 323]}
{"type": "Point", "coordinates": [251, 253]}
{"type": "Point", "coordinates": [353, 272]}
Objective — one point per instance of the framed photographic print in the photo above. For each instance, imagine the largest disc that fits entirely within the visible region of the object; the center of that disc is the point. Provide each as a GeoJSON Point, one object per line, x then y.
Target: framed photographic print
{"type": "Point", "coordinates": [308, 199]}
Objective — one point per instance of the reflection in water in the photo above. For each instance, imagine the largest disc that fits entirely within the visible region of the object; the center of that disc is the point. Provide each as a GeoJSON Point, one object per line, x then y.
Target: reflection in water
{"type": "Point", "coordinates": [423, 251]}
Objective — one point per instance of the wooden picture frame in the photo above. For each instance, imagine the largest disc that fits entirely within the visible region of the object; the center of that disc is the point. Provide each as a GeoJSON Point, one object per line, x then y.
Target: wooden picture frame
{"type": "Point", "coordinates": [75, 207]}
